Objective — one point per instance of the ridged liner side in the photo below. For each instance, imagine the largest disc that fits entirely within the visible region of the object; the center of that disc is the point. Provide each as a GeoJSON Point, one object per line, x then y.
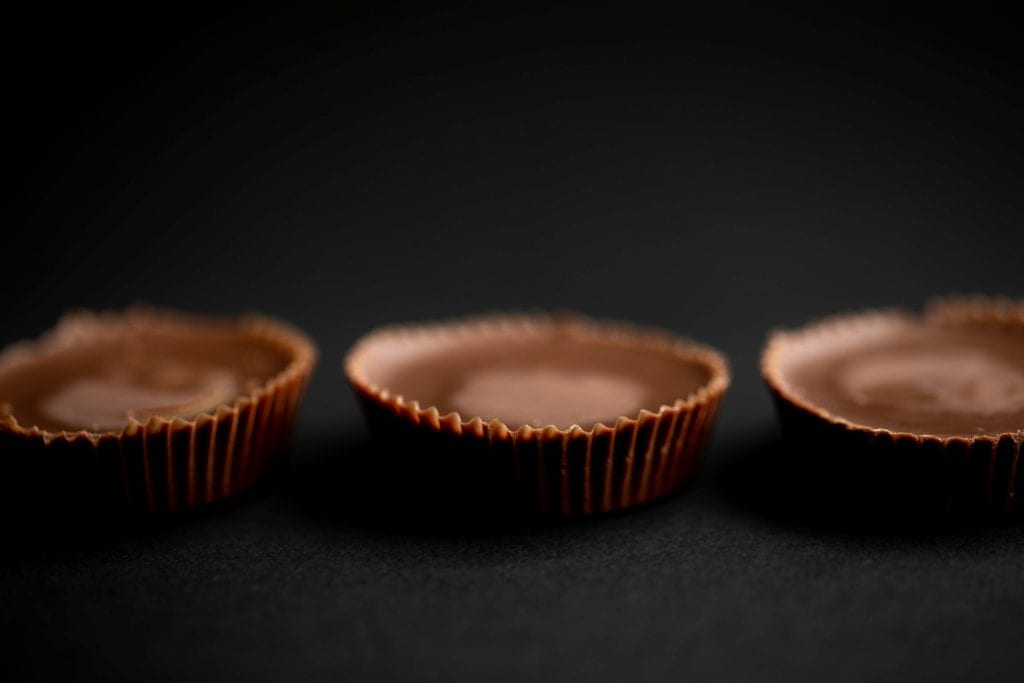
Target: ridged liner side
{"type": "Point", "coordinates": [161, 464]}
{"type": "Point", "coordinates": [547, 471]}
{"type": "Point", "coordinates": [980, 473]}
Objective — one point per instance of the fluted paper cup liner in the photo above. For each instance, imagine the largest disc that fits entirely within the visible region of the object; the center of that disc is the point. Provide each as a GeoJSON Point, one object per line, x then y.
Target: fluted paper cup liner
{"type": "Point", "coordinates": [195, 455]}
{"type": "Point", "coordinates": [408, 380]}
{"type": "Point", "coordinates": [947, 416]}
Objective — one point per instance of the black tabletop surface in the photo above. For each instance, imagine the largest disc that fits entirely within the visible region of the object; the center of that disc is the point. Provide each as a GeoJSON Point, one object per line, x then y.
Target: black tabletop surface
{"type": "Point", "coordinates": [717, 174]}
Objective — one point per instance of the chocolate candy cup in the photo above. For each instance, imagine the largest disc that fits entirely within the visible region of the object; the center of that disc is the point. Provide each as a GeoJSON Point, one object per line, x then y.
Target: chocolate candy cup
{"type": "Point", "coordinates": [561, 416]}
{"type": "Point", "coordinates": [921, 412]}
{"type": "Point", "coordinates": [149, 410]}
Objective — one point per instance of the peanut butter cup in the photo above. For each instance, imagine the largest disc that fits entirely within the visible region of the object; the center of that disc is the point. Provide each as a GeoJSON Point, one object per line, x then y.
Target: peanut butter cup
{"type": "Point", "coordinates": [928, 408]}
{"type": "Point", "coordinates": [157, 410]}
{"type": "Point", "coordinates": [556, 415]}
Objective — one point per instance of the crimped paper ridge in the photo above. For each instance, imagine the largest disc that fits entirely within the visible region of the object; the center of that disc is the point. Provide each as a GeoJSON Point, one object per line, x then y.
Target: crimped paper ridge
{"type": "Point", "coordinates": [169, 464]}
{"type": "Point", "coordinates": [566, 472]}
{"type": "Point", "coordinates": [547, 470]}
{"type": "Point", "coordinates": [981, 471]}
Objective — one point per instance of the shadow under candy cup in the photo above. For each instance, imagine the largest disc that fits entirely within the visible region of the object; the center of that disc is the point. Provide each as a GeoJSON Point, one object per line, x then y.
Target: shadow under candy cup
{"type": "Point", "coordinates": [903, 411]}
{"type": "Point", "coordinates": [148, 410]}
{"type": "Point", "coordinates": [553, 415]}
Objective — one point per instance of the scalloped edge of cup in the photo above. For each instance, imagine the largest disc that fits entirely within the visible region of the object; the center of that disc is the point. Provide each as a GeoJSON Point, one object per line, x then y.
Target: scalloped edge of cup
{"type": "Point", "coordinates": [563, 472]}
{"type": "Point", "coordinates": [166, 464]}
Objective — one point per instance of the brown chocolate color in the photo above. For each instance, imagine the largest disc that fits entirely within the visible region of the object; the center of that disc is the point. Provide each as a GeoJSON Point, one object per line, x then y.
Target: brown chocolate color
{"type": "Point", "coordinates": [557, 415]}
{"type": "Point", "coordinates": [160, 410]}
{"type": "Point", "coordinates": [916, 377]}
{"type": "Point", "coordinates": [101, 383]}
{"type": "Point", "coordinates": [554, 378]}
{"type": "Point", "coordinates": [927, 407]}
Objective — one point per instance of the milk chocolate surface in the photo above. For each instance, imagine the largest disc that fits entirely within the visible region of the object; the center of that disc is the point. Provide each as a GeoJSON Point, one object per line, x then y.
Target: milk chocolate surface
{"type": "Point", "coordinates": [99, 384]}
{"type": "Point", "coordinates": [924, 379]}
{"type": "Point", "coordinates": [548, 379]}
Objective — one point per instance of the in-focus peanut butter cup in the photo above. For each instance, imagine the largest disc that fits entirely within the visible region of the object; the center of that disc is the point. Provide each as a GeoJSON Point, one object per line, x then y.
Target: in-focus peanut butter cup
{"type": "Point", "coordinates": [556, 415]}
{"type": "Point", "coordinates": [919, 409]}
{"type": "Point", "coordinates": [155, 410]}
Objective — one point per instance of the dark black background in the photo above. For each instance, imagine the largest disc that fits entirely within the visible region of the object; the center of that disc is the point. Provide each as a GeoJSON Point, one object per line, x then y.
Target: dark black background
{"type": "Point", "coordinates": [717, 173]}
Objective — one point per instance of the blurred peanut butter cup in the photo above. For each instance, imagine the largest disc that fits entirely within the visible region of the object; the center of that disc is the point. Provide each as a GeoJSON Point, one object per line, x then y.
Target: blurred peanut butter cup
{"type": "Point", "coordinates": [149, 409]}
{"type": "Point", "coordinates": [923, 411]}
{"type": "Point", "coordinates": [553, 415]}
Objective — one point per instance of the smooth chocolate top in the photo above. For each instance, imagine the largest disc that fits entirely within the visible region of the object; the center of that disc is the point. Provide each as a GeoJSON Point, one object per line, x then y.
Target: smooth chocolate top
{"type": "Point", "coordinates": [548, 378]}
{"type": "Point", "coordinates": [99, 384]}
{"type": "Point", "coordinates": [923, 379]}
